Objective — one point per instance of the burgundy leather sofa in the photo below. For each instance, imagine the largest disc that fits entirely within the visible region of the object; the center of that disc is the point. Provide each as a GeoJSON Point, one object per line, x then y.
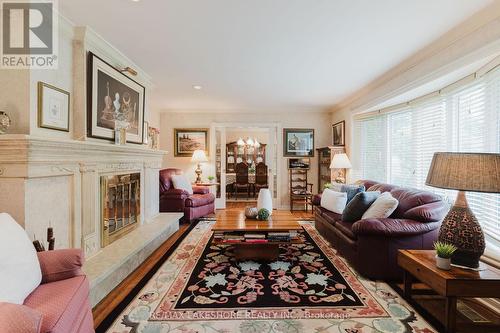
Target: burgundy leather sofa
{"type": "Point", "coordinates": [371, 245]}
{"type": "Point", "coordinates": [196, 205]}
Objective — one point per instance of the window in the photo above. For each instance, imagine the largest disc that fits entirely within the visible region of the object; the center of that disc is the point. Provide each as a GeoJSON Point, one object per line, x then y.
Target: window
{"type": "Point", "coordinates": [397, 146]}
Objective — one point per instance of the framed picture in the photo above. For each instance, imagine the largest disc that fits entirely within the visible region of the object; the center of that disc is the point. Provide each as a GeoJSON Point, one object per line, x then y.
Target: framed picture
{"type": "Point", "coordinates": [338, 132]}
{"type": "Point", "coordinates": [113, 96]}
{"type": "Point", "coordinates": [299, 163]}
{"type": "Point", "coordinates": [187, 140]}
{"type": "Point", "coordinates": [298, 142]}
{"type": "Point", "coordinates": [53, 107]}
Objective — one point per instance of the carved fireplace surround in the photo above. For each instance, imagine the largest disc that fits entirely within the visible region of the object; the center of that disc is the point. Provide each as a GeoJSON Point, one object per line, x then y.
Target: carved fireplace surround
{"type": "Point", "coordinates": [47, 181]}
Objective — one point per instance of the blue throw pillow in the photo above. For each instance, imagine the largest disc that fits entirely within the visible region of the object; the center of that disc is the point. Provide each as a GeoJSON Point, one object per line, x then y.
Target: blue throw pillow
{"type": "Point", "coordinates": [351, 190]}
{"type": "Point", "coordinates": [359, 205]}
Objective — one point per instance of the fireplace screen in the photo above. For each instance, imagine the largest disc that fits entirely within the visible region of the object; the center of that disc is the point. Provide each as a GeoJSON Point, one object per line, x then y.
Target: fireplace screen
{"type": "Point", "coordinates": [121, 205]}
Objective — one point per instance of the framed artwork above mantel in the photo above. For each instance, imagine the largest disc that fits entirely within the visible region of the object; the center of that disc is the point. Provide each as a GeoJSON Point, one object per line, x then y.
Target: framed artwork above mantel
{"type": "Point", "coordinates": [112, 96]}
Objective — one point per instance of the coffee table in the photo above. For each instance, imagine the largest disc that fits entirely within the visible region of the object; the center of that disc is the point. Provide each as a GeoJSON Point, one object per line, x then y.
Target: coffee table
{"type": "Point", "coordinates": [235, 223]}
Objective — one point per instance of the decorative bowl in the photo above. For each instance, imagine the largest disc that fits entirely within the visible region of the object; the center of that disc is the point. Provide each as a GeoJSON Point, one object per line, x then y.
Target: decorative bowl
{"type": "Point", "coordinates": [251, 212]}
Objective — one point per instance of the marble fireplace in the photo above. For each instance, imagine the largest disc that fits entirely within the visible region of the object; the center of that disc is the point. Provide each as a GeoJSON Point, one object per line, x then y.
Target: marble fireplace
{"type": "Point", "coordinates": [44, 181]}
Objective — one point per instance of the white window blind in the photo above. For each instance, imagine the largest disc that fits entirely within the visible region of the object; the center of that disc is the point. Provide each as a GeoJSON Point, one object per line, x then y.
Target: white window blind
{"type": "Point", "coordinates": [397, 146]}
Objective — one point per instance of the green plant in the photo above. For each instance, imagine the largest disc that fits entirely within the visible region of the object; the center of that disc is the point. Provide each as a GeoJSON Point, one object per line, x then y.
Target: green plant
{"type": "Point", "coordinates": [210, 178]}
{"type": "Point", "coordinates": [327, 185]}
{"type": "Point", "coordinates": [444, 250]}
{"type": "Point", "coordinates": [263, 214]}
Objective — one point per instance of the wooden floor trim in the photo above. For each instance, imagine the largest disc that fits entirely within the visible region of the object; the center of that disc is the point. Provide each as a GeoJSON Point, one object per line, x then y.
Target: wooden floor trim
{"type": "Point", "coordinates": [109, 303]}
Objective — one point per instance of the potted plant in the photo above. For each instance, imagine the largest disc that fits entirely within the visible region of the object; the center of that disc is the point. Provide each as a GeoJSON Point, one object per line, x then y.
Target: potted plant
{"type": "Point", "coordinates": [444, 251]}
{"type": "Point", "coordinates": [211, 179]}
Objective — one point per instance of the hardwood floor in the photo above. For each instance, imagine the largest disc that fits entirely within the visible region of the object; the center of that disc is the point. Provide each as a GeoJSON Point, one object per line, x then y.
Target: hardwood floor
{"type": "Point", "coordinates": [113, 301]}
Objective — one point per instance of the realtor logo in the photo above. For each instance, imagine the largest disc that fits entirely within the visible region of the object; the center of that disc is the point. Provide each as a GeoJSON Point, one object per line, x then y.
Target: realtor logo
{"type": "Point", "coordinates": [29, 34]}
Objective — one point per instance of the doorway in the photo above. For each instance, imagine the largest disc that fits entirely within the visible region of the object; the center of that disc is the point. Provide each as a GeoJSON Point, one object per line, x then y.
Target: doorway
{"type": "Point", "coordinates": [246, 147]}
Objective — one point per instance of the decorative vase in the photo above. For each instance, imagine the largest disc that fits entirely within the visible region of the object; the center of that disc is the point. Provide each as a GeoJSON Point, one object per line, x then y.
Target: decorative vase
{"type": "Point", "coordinates": [251, 212]}
{"type": "Point", "coordinates": [443, 263]}
{"type": "Point", "coordinates": [461, 228]}
{"type": "Point", "coordinates": [265, 200]}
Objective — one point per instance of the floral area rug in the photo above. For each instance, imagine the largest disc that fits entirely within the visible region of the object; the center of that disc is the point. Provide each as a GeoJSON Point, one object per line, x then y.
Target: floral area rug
{"type": "Point", "coordinates": [201, 288]}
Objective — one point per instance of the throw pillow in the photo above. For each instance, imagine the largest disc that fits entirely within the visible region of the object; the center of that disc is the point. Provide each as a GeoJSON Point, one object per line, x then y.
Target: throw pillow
{"type": "Point", "coordinates": [20, 270]}
{"type": "Point", "coordinates": [359, 205]}
{"type": "Point", "coordinates": [383, 207]}
{"type": "Point", "coordinates": [180, 182]}
{"type": "Point", "coordinates": [333, 201]}
{"type": "Point", "coordinates": [351, 190]}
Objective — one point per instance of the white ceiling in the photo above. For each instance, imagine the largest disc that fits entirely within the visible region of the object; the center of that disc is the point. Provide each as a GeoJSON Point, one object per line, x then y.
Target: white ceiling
{"type": "Point", "coordinates": [266, 55]}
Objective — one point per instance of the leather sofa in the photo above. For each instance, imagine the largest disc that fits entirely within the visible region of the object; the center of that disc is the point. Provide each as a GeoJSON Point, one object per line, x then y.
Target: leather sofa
{"type": "Point", "coordinates": [371, 245]}
{"type": "Point", "coordinates": [60, 304]}
{"type": "Point", "coordinates": [196, 205]}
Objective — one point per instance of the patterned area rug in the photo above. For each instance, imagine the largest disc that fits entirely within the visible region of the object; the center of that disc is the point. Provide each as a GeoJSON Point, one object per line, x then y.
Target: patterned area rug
{"type": "Point", "coordinates": [201, 288]}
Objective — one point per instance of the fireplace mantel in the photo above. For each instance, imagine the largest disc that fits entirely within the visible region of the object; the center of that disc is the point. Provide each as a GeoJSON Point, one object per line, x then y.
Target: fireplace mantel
{"type": "Point", "coordinates": [51, 181]}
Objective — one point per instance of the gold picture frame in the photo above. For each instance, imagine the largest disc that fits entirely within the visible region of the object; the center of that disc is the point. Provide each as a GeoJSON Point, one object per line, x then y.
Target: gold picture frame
{"type": "Point", "coordinates": [187, 140]}
{"type": "Point", "coordinates": [53, 107]}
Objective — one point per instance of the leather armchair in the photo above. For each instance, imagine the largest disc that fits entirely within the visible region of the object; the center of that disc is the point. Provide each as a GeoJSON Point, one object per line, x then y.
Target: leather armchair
{"type": "Point", "coordinates": [371, 245]}
{"type": "Point", "coordinates": [196, 205]}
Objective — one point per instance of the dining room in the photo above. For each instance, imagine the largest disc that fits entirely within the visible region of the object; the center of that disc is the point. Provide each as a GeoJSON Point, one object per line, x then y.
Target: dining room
{"type": "Point", "coordinates": [248, 160]}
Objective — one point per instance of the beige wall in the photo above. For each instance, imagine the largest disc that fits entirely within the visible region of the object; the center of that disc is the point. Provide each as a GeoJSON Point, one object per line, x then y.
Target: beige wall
{"type": "Point", "coordinates": [19, 93]}
{"type": "Point", "coordinates": [320, 121]}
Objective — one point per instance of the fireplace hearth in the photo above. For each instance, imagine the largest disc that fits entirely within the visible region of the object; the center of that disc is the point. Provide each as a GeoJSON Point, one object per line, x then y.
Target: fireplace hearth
{"type": "Point", "coordinates": [121, 208]}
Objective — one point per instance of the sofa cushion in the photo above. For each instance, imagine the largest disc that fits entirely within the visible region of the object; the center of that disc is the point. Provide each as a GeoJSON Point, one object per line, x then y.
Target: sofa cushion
{"type": "Point", "coordinates": [329, 216]}
{"type": "Point", "coordinates": [359, 205]}
{"type": "Point", "coordinates": [181, 182]}
{"type": "Point", "coordinates": [20, 270]}
{"type": "Point", "coordinates": [60, 264]}
{"type": "Point", "coordinates": [19, 319]}
{"type": "Point", "coordinates": [197, 200]}
{"type": "Point", "coordinates": [431, 212]}
{"type": "Point", "coordinates": [333, 201]}
{"type": "Point", "coordinates": [350, 190]}
{"type": "Point", "coordinates": [366, 183]}
{"type": "Point", "coordinates": [382, 207]}
{"type": "Point", "coordinates": [389, 227]}
{"type": "Point", "coordinates": [382, 187]}
{"type": "Point", "coordinates": [346, 229]}
{"type": "Point", "coordinates": [60, 303]}
{"type": "Point", "coordinates": [165, 178]}
{"type": "Point", "coordinates": [410, 198]}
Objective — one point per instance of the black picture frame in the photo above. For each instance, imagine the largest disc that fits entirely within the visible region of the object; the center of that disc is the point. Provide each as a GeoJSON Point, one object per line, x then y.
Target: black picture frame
{"type": "Point", "coordinates": [298, 142]}
{"type": "Point", "coordinates": [338, 134]}
{"type": "Point", "coordinates": [100, 127]}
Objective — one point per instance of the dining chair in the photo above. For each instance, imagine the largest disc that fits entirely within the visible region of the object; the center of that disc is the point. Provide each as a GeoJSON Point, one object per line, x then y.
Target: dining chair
{"type": "Point", "coordinates": [241, 179]}
{"type": "Point", "coordinates": [260, 178]}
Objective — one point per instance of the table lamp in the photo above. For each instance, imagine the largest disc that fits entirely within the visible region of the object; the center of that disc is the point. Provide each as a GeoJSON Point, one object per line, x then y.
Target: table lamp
{"type": "Point", "coordinates": [199, 157]}
{"type": "Point", "coordinates": [475, 172]}
{"type": "Point", "coordinates": [340, 161]}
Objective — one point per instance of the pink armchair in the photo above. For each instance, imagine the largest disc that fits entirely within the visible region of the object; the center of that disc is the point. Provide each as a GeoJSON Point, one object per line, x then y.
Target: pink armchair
{"type": "Point", "coordinates": [59, 305]}
{"type": "Point", "coordinates": [198, 204]}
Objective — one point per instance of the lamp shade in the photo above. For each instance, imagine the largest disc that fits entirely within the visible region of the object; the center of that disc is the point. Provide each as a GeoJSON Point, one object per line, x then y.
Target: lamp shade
{"type": "Point", "coordinates": [199, 156]}
{"type": "Point", "coordinates": [340, 161]}
{"type": "Point", "coordinates": [476, 172]}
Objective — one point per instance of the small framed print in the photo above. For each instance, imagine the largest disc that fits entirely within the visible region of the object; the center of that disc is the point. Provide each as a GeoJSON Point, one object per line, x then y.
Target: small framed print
{"type": "Point", "coordinates": [338, 133]}
{"type": "Point", "coordinates": [53, 107]}
{"type": "Point", "coordinates": [187, 140]}
{"type": "Point", "coordinates": [298, 142]}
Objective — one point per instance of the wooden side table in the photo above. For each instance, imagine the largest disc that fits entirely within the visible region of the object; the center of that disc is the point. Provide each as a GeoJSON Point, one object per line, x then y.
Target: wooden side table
{"type": "Point", "coordinates": [452, 284]}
